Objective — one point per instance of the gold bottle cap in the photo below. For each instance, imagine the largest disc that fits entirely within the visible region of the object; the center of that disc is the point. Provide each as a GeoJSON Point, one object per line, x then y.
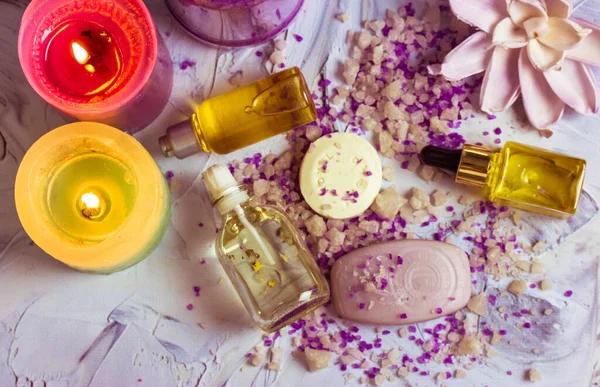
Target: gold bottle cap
{"type": "Point", "coordinates": [473, 167]}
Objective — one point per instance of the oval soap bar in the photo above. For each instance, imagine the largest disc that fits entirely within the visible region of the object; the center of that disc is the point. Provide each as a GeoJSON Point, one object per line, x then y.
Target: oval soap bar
{"type": "Point", "coordinates": [401, 282]}
{"type": "Point", "coordinates": [340, 175]}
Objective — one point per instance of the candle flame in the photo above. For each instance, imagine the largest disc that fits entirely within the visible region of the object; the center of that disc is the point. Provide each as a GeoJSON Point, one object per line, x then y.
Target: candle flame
{"type": "Point", "coordinates": [90, 200]}
{"type": "Point", "coordinates": [80, 53]}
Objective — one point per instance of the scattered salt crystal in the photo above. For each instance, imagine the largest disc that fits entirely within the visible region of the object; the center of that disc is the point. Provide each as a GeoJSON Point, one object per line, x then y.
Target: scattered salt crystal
{"type": "Point", "coordinates": [273, 366]}
{"type": "Point", "coordinates": [257, 359]}
{"type": "Point", "coordinates": [317, 359]}
{"type": "Point", "coordinates": [426, 173]}
{"type": "Point", "coordinates": [276, 57]}
{"type": "Point", "coordinates": [280, 44]}
{"type": "Point", "coordinates": [469, 345]}
{"type": "Point", "coordinates": [478, 304]}
{"type": "Point", "coordinates": [523, 265]}
{"type": "Point", "coordinates": [316, 226]}
{"type": "Point", "coordinates": [388, 203]}
{"type": "Point", "coordinates": [402, 372]}
{"type": "Point", "coordinates": [343, 17]}
{"type": "Point", "coordinates": [388, 173]}
{"type": "Point", "coordinates": [545, 285]}
{"type": "Point", "coordinates": [439, 198]}
{"type": "Point", "coordinates": [538, 246]}
{"type": "Point", "coordinates": [517, 287]}
{"type": "Point", "coordinates": [537, 268]}
{"type": "Point", "coordinates": [496, 338]}
{"type": "Point", "coordinates": [533, 375]}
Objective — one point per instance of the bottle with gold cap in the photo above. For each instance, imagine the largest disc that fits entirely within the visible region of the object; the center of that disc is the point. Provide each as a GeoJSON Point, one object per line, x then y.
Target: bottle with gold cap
{"type": "Point", "coordinates": [242, 117]}
{"type": "Point", "coordinates": [264, 256]}
{"type": "Point", "coordinates": [517, 175]}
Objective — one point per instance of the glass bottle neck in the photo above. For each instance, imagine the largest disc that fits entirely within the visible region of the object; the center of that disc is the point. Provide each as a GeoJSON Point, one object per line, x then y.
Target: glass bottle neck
{"type": "Point", "coordinates": [226, 204]}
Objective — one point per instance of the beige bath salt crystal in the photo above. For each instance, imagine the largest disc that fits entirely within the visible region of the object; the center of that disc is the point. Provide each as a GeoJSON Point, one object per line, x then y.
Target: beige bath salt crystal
{"type": "Point", "coordinates": [439, 198]}
{"type": "Point", "coordinates": [478, 304]}
{"type": "Point", "coordinates": [388, 173]}
{"type": "Point", "coordinates": [496, 338]}
{"type": "Point", "coordinates": [257, 359]}
{"type": "Point", "coordinates": [469, 345]}
{"type": "Point", "coordinates": [317, 359]}
{"type": "Point", "coordinates": [460, 374]}
{"type": "Point", "coordinates": [273, 366]}
{"type": "Point", "coordinates": [537, 268]}
{"type": "Point", "coordinates": [440, 376]}
{"type": "Point", "coordinates": [517, 287]}
{"type": "Point", "coordinates": [379, 380]}
{"type": "Point", "coordinates": [343, 17]}
{"type": "Point", "coordinates": [402, 372]}
{"type": "Point", "coordinates": [316, 226]}
{"type": "Point", "coordinates": [523, 266]}
{"type": "Point", "coordinates": [533, 375]}
{"type": "Point", "coordinates": [276, 354]}
{"type": "Point", "coordinates": [387, 203]}
{"type": "Point", "coordinates": [538, 246]}
{"type": "Point", "coordinates": [545, 285]}
{"type": "Point", "coordinates": [276, 57]}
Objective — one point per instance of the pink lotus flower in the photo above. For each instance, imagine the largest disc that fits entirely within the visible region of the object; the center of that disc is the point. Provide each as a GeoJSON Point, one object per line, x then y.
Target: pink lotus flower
{"type": "Point", "coordinates": [529, 48]}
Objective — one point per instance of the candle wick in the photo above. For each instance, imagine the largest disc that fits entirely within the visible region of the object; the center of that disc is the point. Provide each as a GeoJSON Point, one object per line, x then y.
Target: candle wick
{"type": "Point", "coordinates": [90, 205]}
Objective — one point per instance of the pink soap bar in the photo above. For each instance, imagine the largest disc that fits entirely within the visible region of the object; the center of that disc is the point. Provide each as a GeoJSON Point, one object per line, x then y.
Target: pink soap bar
{"type": "Point", "coordinates": [401, 282]}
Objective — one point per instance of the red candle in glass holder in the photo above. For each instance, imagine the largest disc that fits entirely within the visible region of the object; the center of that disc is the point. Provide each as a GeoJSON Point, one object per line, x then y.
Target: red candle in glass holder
{"type": "Point", "coordinates": [96, 60]}
{"type": "Point", "coordinates": [83, 60]}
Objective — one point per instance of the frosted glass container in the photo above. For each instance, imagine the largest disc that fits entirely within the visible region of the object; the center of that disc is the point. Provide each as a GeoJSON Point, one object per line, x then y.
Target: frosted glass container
{"type": "Point", "coordinates": [234, 23]}
{"type": "Point", "coordinates": [143, 85]}
{"type": "Point", "coordinates": [92, 197]}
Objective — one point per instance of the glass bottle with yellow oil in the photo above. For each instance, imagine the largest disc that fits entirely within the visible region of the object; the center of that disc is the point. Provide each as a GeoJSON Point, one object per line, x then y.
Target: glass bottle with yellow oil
{"type": "Point", "coordinates": [242, 117]}
{"type": "Point", "coordinates": [517, 175]}
{"type": "Point", "coordinates": [263, 255]}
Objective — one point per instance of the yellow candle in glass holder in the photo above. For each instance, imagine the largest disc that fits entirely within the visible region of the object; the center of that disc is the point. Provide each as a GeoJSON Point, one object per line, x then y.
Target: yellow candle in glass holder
{"type": "Point", "coordinates": [92, 197]}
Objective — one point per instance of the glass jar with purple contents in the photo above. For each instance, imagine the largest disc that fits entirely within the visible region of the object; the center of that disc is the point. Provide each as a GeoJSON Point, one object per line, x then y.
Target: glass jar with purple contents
{"type": "Point", "coordinates": [234, 23]}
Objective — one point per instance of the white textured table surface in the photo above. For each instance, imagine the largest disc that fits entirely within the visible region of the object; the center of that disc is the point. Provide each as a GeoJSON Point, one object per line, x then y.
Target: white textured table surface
{"type": "Point", "coordinates": [59, 327]}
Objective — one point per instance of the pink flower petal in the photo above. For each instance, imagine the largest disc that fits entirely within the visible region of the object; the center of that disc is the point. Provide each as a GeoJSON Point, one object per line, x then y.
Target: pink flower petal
{"type": "Point", "coordinates": [483, 14]}
{"type": "Point", "coordinates": [542, 56]}
{"type": "Point", "coordinates": [588, 51]}
{"type": "Point", "coordinates": [575, 85]}
{"type": "Point", "coordinates": [559, 8]}
{"type": "Point", "coordinates": [508, 35]}
{"type": "Point", "coordinates": [542, 106]}
{"type": "Point", "coordinates": [500, 88]}
{"type": "Point", "coordinates": [468, 58]}
{"type": "Point", "coordinates": [522, 10]}
{"type": "Point", "coordinates": [536, 27]}
{"type": "Point", "coordinates": [564, 34]}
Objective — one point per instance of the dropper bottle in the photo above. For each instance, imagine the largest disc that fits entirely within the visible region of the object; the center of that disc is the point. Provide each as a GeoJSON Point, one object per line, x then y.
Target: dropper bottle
{"type": "Point", "coordinates": [264, 256]}
{"type": "Point", "coordinates": [242, 117]}
{"type": "Point", "coordinates": [517, 175]}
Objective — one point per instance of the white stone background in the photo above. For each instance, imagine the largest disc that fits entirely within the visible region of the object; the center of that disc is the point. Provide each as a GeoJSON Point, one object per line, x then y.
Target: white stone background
{"type": "Point", "coordinates": [61, 328]}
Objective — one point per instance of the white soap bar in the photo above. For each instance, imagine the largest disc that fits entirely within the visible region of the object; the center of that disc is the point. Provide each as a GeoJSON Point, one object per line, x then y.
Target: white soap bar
{"type": "Point", "coordinates": [340, 175]}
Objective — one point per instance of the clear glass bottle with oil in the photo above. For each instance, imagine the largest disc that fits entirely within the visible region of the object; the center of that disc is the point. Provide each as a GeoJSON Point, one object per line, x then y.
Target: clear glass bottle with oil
{"type": "Point", "coordinates": [517, 175]}
{"type": "Point", "coordinates": [242, 117]}
{"type": "Point", "coordinates": [263, 255]}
